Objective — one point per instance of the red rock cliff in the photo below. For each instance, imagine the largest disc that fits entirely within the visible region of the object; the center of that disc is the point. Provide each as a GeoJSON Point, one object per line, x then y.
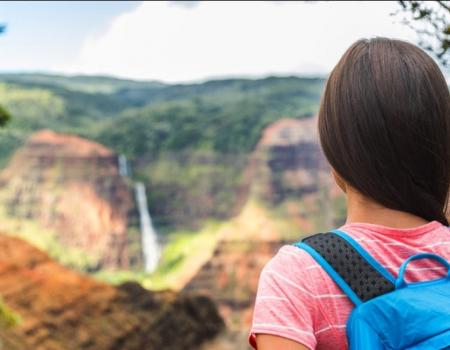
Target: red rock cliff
{"type": "Point", "coordinates": [288, 192]}
{"type": "Point", "coordinates": [64, 310]}
{"type": "Point", "coordinates": [71, 186]}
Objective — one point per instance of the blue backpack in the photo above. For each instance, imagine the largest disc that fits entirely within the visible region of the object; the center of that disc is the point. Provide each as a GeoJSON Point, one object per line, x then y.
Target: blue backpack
{"type": "Point", "coordinates": [389, 313]}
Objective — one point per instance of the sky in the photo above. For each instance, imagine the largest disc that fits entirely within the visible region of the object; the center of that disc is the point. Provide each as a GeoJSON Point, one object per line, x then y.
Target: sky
{"type": "Point", "coordinates": [189, 41]}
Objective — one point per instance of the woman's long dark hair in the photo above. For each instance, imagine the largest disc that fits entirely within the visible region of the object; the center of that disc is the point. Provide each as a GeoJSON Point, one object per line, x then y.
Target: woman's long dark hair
{"type": "Point", "coordinates": [384, 126]}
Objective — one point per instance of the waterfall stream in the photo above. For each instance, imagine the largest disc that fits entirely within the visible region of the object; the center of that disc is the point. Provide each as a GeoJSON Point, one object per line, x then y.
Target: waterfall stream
{"type": "Point", "coordinates": [149, 237]}
{"type": "Point", "coordinates": [123, 166]}
{"type": "Point", "coordinates": [150, 246]}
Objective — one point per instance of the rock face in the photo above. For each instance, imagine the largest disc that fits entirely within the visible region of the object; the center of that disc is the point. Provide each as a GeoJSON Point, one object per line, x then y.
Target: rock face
{"type": "Point", "coordinates": [288, 163]}
{"type": "Point", "coordinates": [72, 187]}
{"type": "Point", "coordinates": [63, 310]}
{"type": "Point", "coordinates": [231, 277]}
{"type": "Point", "coordinates": [288, 192]}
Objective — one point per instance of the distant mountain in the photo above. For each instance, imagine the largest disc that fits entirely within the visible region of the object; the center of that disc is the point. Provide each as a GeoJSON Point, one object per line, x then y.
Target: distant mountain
{"type": "Point", "coordinates": [83, 83]}
{"type": "Point", "coordinates": [204, 131]}
{"type": "Point", "coordinates": [142, 118]}
{"type": "Point", "coordinates": [279, 87]}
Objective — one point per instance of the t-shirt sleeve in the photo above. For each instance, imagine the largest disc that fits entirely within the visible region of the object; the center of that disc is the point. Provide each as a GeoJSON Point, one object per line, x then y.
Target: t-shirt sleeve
{"type": "Point", "coordinates": [285, 304]}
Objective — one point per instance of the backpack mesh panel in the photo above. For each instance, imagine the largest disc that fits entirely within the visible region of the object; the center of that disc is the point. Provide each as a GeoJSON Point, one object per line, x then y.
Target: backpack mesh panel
{"type": "Point", "coordinates": [362, 278]}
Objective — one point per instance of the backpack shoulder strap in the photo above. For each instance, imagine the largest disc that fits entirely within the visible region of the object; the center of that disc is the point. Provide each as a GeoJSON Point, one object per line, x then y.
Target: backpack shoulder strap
{"type": "Point", "coordinates": [354, 270]}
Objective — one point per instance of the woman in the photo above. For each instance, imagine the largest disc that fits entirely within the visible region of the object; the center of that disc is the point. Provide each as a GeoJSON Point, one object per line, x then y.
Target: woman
{"type": "Point", "coordinates": [384, 126]}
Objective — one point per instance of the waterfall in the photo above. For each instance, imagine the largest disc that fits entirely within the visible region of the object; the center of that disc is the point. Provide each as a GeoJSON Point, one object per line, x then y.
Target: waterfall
{"type": "Point", "coordinates": [150, 247]}
{"type": "Point", "coordinates": [123, 166]}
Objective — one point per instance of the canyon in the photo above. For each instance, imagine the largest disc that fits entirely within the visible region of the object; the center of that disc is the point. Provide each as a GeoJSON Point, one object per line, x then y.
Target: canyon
{"type": "Point", "coordinates": [227, 181]}
{"type": "Point", "coordinates": [72, 190]}
{"type": "Point", "coordinates": [79, 193]}
{"type": "Point", "coordinates": [287, 193]}
{"type": "Point", "coordinates": [59, 309]}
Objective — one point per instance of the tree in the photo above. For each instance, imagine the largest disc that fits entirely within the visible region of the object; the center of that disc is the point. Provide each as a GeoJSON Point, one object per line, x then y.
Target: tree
{"type": "Point", "coordinates": [431, 20]}
{"type": "Point", "coordinates": [5, 117]}
{"type": "Point", "coordinates": [4, 114]}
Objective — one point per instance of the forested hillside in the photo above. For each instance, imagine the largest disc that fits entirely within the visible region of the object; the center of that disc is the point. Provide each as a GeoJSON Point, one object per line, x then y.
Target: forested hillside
{"type": "Point", "coordinates": [188, 142]}
{"type": "Point", "coordinates": [139, 118]}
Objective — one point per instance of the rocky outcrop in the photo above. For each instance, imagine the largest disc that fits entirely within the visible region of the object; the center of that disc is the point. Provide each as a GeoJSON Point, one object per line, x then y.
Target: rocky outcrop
{"type": "Point", "coordinates": [288, 172]}
{"type": "Point", "coordinates": [287, 192]}
{"type": "Point", "coordinates": [288, 162]}
{"type": "Point", "coordinates": [72, 187]}
{"type": "Point", "coordinates": [64, 310]}
{"type": "Point", "coordinates": [231, 276]}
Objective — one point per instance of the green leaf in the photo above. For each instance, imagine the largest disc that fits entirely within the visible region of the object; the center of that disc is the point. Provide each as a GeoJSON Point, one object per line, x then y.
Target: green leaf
{"type": "Point", "coordinates": [5, 117]}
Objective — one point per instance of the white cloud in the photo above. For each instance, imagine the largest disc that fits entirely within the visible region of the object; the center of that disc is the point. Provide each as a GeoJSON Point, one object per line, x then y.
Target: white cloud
{"type": "Point", "coordinates": [169, 42]}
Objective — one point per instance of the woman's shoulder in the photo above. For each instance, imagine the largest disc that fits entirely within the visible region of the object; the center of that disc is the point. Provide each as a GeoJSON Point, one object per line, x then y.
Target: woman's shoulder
{"type": "Point", "coordinates": [284, 304]}
{"type": "Point", "coordinates": [293, 263]}
{"type": "Point", "coordinates": [290, 253]}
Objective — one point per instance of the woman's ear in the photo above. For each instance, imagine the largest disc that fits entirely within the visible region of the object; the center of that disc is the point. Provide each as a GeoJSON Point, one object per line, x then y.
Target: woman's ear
{"type": "Point", "coordinates": [340, 182]}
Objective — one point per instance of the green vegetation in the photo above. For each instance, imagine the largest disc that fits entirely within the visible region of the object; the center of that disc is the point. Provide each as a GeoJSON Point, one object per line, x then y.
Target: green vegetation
{"type": "Point", "coordinates": [222, 116]}
{"type": "Point", "coordinates": [35, 107]}
{"type": "Point", "coordinates": [431, 21]}
{"type": "Point", "coordinates": [45, 239]}
{"type": "Point", "coordinates": [33, 104]}
{"type": "Point", "coordinates": [182, 255]}
{"type": "Point", "coordinates": [187, 142]}
{"type": "Point", "coordinates": [4, 116]}
{"type": "Point", "coordinates": [184, 252]}
{"type": "Point", "coordinates": [8, 318]}
{"type": "Point", "coordinates": [148, 118]}
{"type": "Point", "coordinates": [206, 180]}
{"type": "Point", "coordinates": [83, 83]}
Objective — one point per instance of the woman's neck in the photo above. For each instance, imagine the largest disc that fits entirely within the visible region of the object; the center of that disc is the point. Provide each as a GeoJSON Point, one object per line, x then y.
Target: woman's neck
{"type": "Point", "coordinates": [362, 209]}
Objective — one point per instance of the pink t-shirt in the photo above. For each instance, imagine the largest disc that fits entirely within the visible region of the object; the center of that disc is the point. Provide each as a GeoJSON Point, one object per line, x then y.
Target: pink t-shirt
{"type": "Point", "coordinates": [297, 299]}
